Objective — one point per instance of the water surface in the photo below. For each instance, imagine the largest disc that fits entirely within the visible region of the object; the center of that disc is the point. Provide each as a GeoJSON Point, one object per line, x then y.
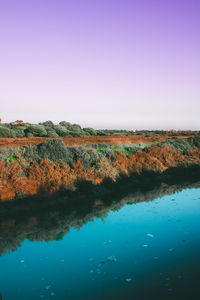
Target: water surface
{"type": "Point", "coordinates": [146, 250]}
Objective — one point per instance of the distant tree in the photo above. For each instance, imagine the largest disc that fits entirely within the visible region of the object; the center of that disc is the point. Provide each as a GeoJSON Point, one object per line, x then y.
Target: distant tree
{"type": "Point", "coordinates": [47, 123]}
{"type": "Point", "coordinates": [64, 123]}
{"type": "Point", "coordinates": [91, 131]}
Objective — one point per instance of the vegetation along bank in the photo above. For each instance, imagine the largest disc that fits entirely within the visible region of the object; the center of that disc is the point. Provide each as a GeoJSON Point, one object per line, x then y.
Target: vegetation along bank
{"type": "Point", "coordinates": [52, 167]}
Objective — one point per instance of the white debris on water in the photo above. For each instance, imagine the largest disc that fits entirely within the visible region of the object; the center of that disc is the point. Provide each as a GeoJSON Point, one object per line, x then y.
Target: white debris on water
{"type": "Point", "coordinates": [47, 287]}
{"type": "Point", "coordinates": [150, 235]}
{"type": "Point", "coordinates": [128, 279]}
{"type": "Point", "coordinates": [145, 246]}
{"type": "Point", "coordinates": [112, 258]}
{"type": "Point", "coordinates": [22, 261]}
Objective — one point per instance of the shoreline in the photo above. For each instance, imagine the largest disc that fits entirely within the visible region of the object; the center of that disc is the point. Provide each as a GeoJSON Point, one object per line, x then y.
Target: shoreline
{"type": "Point", "coordinates": [52, 168]}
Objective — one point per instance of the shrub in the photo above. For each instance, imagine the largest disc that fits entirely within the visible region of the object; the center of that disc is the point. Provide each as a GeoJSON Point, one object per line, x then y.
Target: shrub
{"type": "Point", "coordinates": [75, 133]}
{"type": "Point", "coordinates": [28, 134]}
{"type": "Point", "coordinates": [102, 133]}
{"type": "Point", "coordinates": [87, 156]}
{"type": "Point", "coordinates": [64, 123]}
{"type": "Point", "coordinates": [54, 149]}
{"type": "Point", "coordinates": [36, 130]}
{"type": "Point", "coordinates": [194, 141]}
{"type": "Point", "coordinates": [30, 152]}
{"type": "Point", "coordinates": [6, 125]}
{"type": "Point", "coordinates": [6, 153]}
{"type": "Point", "coordinates": [61, 130]}
{"type": "Point", "coordinates": [106, 151]}
{"type": "Point", "coordinates": [19, 131]}
{"type": "Point", "coordinates": [91, 131]}
{"type": "Point", "coordinates": [47, 123]}
{"type": "Point", "coordinates": [6, 132]}
{"type": "Point", "coordinates": [75, 126]}
{"type": "Point", "coordinates": [180, 145]}
{"type": "Point", "coordinates": [51, 132]}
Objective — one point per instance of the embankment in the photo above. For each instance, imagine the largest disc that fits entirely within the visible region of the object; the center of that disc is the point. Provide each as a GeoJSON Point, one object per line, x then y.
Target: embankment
{"type": "Point", "coordinates": [51, 168]}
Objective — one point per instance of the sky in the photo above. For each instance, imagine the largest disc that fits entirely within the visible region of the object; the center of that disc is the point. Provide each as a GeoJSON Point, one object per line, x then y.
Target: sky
{"type": "Point", "coordinates": [130, 64]}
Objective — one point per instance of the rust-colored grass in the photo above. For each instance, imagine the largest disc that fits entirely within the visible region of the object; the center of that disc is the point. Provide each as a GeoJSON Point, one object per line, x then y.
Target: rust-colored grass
{"type": "Point", "coordinates": [116, 139]}
{"type": "Point", "coordinates": [50, 177]}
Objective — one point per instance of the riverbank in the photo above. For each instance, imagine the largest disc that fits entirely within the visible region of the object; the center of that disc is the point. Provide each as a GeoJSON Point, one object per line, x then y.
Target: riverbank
{"type": "Point", "coordinates": [52, 167]}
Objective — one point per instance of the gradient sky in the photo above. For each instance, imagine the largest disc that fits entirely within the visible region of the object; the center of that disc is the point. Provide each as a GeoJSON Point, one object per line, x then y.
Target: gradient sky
{"type": "Point", "coordinates": [103, 63]}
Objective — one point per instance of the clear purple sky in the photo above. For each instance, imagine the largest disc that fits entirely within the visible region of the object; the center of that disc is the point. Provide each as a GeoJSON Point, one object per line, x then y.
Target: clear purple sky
{"type": "Point", "coordinates": [101, 63]}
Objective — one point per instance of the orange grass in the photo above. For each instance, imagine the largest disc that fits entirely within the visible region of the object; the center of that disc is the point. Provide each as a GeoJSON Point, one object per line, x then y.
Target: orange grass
{"type": "Point", "coordinates": [18, 180]}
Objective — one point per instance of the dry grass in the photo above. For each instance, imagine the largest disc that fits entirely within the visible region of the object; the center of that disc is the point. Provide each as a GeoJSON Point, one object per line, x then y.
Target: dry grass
{"type": "Point", "coordinates": [116, 139]}
{"type": "Point", "coordinates": [50, 177]}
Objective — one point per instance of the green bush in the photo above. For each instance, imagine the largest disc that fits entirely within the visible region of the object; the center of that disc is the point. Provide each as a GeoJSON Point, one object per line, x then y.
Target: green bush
{"type": "Point", "coordinates": [30, 152]}
{"type": "Point", "coordinates": [19, 131]}
{"type": "Point", "coordinates": [61, 130]}
{"type": "Point", "coordinates": [194, 141]}
{"type": "Point", "coordinates": [87, 156]}
{"type": "Point", "coordinates": [6, 132]}
{"type": "Point", "coordinates": [75, 126]}
{"type": "Point", "coordinates": [75, 133]}
{"type": "Point", "coordinates": [7, 153]}
{"type": "Point", "coordinates": [36, 130]}
{"type": "Point", "coordinates": [102, 133]}
{"type": "Point", "coordinates": [91, 131]}
{"type": "Point", "coordinates": [64, 123]}
{"type": "Point", "coordinates": [50, 132]}
{"type": "Point", "coordinates": [47, 123]}
{"type": "Point", "coordinates": [54, 149]}
{"type": "Point", "coordinates": [180, 145]}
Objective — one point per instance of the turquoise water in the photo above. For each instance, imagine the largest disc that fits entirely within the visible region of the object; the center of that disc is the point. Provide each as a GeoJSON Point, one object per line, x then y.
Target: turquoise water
{"type": "Point", "coordinates": [148, 250]}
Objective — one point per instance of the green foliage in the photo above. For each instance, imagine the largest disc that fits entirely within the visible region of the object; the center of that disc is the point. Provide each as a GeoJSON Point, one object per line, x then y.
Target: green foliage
{"type": "Point", "coordinates": [178, 144]}
{"type": "Point", "coordinates": [61, 130]}
{"type": "Point", "coordinates": [102, 133]}
{"type": "Point", "coordinates": [6, 153]}
{"type": "Point", "coordinates": [75, 127]}
{"type": "Point", "coordinates": [194, 141]}
{"type": "Point", "coordinates": [76, 133]}
{"type": "Point", "coordinates": [47, 123]}
{"type": "Point", "coordinates": [19, 131]}
{"type": "Point", "coordinates": [30, 152]}
{"type": "Point", "coordinates": [50, 132]}
{"type": "Point", "coordinates": [90, 131]}
{"type": "Point", "coordinates": [54, 149]}
{"type": "Point", "coordinates": [6, 132]}
{"type": "Point", "coordinates": [11, 158]}
{"type": "Point", "coordinates": [36, 130]}
{"type": "Point", "coordinates": [87, 156]}
{"type": "Point", "coordinates": [64, 123]}
{"type": "Point", "coordinates": [108, 150]}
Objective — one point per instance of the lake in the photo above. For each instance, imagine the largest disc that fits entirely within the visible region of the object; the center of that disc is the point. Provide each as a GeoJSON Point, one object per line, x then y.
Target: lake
{"type": "Point", "coordinates": [135, 250]}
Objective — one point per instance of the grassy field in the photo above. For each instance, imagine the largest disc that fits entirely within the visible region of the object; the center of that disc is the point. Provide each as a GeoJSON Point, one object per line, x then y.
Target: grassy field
{"type": "Point", "coordinates": [116, 139]}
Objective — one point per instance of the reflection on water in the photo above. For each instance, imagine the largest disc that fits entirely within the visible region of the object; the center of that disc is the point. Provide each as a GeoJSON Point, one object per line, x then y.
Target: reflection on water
{"type": "Point", "coordinates": [144, 246]}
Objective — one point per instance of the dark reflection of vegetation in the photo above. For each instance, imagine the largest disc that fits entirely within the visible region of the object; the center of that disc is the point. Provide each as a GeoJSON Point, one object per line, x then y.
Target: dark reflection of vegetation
{"type": "Point", "coordinates": [40, 218]}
